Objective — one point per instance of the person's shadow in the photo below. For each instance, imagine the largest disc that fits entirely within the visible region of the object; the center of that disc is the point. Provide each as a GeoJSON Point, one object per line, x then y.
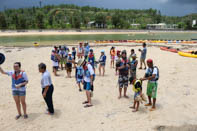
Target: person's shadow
{"type": "Point", "coordinates": [57, 113]}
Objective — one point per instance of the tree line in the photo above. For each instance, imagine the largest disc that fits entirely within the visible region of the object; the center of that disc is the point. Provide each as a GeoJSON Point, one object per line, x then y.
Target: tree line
{"type": "Point", "coordinates": [76, 17]}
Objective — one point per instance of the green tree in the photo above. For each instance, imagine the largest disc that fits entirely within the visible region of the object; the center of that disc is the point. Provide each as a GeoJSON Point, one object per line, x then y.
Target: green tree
{"type": "Point", "coordinates": [40, 20]}
{"type": "Point", "coordinates": [3, 23]}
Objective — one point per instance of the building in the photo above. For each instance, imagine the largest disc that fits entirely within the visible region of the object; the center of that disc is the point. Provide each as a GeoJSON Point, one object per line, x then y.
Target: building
{"type": "Point", "coordinates": [135, 25]}
{"type": "Point", "coordinates": [96, 25]}
{"type": "Point", "coordinates": [161, 26]}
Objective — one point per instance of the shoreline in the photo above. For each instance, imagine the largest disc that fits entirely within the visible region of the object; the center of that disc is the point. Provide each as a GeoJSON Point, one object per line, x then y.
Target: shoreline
{"type": "Point", "coordinates": [84, 32]}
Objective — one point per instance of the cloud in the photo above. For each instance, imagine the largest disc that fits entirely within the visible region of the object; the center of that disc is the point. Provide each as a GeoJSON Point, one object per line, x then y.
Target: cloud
{"type": "Point", "coordinates": [184, 1]}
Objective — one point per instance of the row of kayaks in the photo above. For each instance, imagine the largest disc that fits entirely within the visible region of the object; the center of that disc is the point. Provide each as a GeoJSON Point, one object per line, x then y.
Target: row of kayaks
{"type": "Point", "coordinates": [192, 54]}
{"type": "Point", "coordinates": [146, 41]}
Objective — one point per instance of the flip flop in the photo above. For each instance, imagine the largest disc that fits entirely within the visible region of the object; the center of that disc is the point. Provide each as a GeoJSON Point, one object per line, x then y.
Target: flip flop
{"type": "Point", "coordinates": [152, 109]}
{"type": "Point", "coordinates": [25, 116]}
{"type": "Point", "coordinates": [148, 104]}
{"type": "Point", "coordinates": [86, 106]}
{"type": "Point", "coordinates": [17, 117]}
{"type": "Point", "coordinates": [85, 102]}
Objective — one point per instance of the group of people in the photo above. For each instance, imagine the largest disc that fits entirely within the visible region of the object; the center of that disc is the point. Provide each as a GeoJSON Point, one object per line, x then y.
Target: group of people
{"type": "Point", "coordinates": [125, 68]}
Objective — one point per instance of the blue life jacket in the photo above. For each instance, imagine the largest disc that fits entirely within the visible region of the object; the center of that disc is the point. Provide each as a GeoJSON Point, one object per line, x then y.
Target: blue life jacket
{"type": "Point", "coordinates": [79, 72]}
{"type": "Point", "coordinates": [102, 59]}
{"type": "Point", "coordinates": [91, 60]}
{"type": "Point", "coordinates": [17, 80]}
{"type": "Point", "coordinates": [150, 73]}
{"type": "Point", "coordinates": [132, 63]}
{"type": "Point", "coordinates": [53, 57]}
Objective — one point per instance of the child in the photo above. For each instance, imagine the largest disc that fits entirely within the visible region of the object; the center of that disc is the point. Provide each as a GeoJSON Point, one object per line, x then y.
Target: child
{"type": "Point", "coordinates": [55, 59]}
{"type": "Point", "coordinates": [62, 54]}
{"type": "Point", "coordinates": [79, 73]}
{"type": "Point", "coordinates": [91, 59]}
{"type": "Point", "coordinates": [118, 60]}
{"type": "Point", "coordinates": [102, 62]}
{"type": "Point", "coordinates": [69, 64]}
{"type": "Point", "coordinates": [112, 54]}
{"type": "Point", "coordinates": [73, 53]}
{"type": "Point", "coordinates": [138, 96]}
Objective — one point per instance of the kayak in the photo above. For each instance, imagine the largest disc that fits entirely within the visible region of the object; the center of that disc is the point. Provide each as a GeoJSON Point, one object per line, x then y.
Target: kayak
{"type": "Point", "coordinates": [169, 49]}
{"type": "Point", "coordinates": [186, 54]}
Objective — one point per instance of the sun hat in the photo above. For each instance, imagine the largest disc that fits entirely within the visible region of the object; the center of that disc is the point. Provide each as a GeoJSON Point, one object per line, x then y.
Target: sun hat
{"type": "Point", "coordinates": [102, 51]}
{"type": "Point", "coordinates": [149, 61]}
{"type": "Point", "coordinates": [80, 61]}
{"type": "Point", "coordinates": [2, 58]}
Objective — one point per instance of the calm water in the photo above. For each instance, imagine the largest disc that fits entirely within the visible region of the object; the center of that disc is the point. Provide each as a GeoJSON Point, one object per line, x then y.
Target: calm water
{"type": "Point", "coordinates": [63, 39]}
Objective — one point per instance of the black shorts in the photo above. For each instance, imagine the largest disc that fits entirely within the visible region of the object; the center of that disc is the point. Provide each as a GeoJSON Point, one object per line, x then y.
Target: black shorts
{"type": "Point", "coordinates": [55, 67]}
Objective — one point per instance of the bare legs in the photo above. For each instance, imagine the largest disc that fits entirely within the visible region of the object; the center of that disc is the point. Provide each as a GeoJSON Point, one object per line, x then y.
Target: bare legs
{"type": "Point", "coordinates": [20, 100]}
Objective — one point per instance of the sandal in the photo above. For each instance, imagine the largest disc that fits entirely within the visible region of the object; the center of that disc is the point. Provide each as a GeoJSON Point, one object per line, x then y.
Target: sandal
{"type": "Point", "coordinates": [85, 102]}
{"type": "Point", "coordinates": [86, 106]}
{"type": "Point", "coordinates": [25, 116]}
{"type": "Point", "coordinates": [17, 117]}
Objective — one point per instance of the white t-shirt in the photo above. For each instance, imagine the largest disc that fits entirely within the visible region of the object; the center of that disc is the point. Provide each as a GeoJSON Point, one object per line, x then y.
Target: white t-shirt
{"type": "Point", "coordinates": [91, 70]}
{"type": "Point", "coordinates": [46, 79]}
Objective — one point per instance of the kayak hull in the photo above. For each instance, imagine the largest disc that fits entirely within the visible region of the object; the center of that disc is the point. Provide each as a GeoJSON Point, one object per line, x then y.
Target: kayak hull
{"type": "Point", "coordinates": [186, 54]}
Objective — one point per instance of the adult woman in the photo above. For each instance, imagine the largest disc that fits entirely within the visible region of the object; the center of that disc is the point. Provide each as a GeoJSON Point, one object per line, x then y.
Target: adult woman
{"type": "Point", "coordinates": [102, 62]}
{"type": "Point", "coordinates": [47, 88]}
{"type": "Point", "coordinates": [19, 82]}
{"type": "Point", "coordinates": [80, 51]}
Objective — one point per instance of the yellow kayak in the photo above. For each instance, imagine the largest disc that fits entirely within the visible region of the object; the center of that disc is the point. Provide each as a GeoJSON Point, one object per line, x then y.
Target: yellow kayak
{"type": "Point", "coordinates": [187, 54]}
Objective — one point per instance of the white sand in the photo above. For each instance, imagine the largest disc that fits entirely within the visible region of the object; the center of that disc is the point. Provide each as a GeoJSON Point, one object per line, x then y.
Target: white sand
{"type": "Point", "coordinates": [176, 101]}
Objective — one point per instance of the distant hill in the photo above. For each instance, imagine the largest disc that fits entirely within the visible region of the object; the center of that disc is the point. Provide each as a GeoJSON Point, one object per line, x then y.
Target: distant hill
{"type": "Point", "coordinates": [75, 17]}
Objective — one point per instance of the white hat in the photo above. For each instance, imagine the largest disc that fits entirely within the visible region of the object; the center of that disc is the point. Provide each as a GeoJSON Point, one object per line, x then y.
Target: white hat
{"type": "Point", "coordinates": [70, 53]}
{"type": "Point", "coordinates": [102, 51]}
{"type": "Point", "coordinates": [134, 55]}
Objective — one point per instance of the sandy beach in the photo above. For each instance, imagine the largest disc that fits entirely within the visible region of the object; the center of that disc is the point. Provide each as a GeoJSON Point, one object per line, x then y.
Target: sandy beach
{"type": "Point", "coordinates": [175, 102]}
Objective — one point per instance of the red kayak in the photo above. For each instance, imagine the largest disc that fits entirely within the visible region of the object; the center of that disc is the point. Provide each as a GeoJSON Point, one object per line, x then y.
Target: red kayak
{"type": "Point", "coordinates": [169, 49]}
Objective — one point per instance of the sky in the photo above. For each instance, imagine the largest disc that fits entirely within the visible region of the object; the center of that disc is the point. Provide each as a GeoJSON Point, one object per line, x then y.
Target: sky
{"type": "Point", "coordinates": [167, 7]}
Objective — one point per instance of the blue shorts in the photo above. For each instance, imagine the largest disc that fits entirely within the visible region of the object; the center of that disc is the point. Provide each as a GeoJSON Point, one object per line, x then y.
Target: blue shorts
{"type": "Point", "coordinates": [79, 80]}
{"type": "Point", "coordinates": [136, 94]}
{"type": "Point", "coordinates": [87, 86]}
{"type": "Point", "coordinates": [18, 93]}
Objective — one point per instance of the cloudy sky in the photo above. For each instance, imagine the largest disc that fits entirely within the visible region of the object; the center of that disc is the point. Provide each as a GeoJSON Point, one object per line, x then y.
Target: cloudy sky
{"type": "Point", "coordinates": [167, 7]}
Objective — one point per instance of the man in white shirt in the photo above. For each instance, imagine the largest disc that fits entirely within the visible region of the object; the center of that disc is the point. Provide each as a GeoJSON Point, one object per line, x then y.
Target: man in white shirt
{"type": "Point", "coordinates": [88, 82]}
{"type": "Point", "coordinates": [47, 88]}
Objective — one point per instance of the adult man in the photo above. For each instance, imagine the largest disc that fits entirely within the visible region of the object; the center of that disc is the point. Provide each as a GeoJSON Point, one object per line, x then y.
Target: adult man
{"type": "Point", "coordinates": [88, 82]}
{"type": "Point", "coordinates": [47, 88]}
{"type": "Point", "coordinates": [152, 75]}
{"type": "Point", "coordinates": [123, 74]}
{"type": "Point", "coordinates": [143, 56]}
